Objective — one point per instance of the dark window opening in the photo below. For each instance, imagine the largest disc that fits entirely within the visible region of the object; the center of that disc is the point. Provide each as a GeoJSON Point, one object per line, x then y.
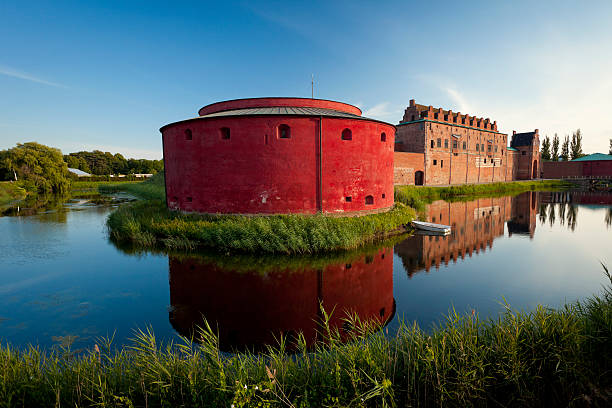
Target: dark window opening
{"type": "Point", "coordinates": [348, 199]}
{"type": "Point", "coordinates": [347, 266]}
{"type": "Point", "coordinates": [441, 163]}
{"type": "Point", "coordinates": [284, 132]}
{"type": "Point", "coordinates": [188, 134]}
{"type": "Point", "coordinates": [369, 200]}
{"type": "Point", "coordinates": [383, 196]}
{"type": "Point", "coordinates": [192, 267]}
{"type": "Point", "coordinates": [435, 116]}
{"type": "Point", "coordinates": [189, 199]}
{"type": "Point", "coordinates": [495, 149]}
{"type": "Point", "coordinates": [454, 144]}
{"type": "Point", "coordinates": [482, 147]}
{"type": "Point", "coordinates": [225, 133]}
{"type": "Point", "coordinates": [446, 143]}
{"type": "Point", "coordinates": [523, 153]}
{"type": "Point", "coordinates": [477, 147]}
{"type": "Point", "coordinates": [432, 143]}
{"type": "Point", "coordinates": [435, 162]}
{"type": "Point", "coordinates": [383, 137]}
{"type": "Point", "coordinates": [463, 145]}
{"type": "Point", "coordinates": [412, 118]}
{"type": "Point", "coordinates": [489, 148]}
{"type": "Point", "coordinates": [382, 256]}
{"type": "Point", "coordinates": [439, 142]}
{"type": "Point", "coordinates": [347, 134]}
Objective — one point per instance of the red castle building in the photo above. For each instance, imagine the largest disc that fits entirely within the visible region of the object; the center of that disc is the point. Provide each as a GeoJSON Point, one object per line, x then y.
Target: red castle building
{"type": "Point", "coordinates": [279, 155]}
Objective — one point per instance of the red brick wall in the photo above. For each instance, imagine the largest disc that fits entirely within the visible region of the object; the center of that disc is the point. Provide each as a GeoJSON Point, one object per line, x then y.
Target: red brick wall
{"type": "Point", "coordinates": [405, 167]}
{"type": "Point", "coordinates": [256, 172]}
{"type": "Point", "coordinates": [557, 170]}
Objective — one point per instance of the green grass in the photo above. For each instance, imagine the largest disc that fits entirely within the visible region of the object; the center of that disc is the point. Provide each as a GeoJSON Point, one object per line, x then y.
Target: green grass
{"type": "Point", "coordinates": [529, 359]}
{"type": "Point", "coordinates": [10, 192]}
{"type": "Point", "coordinates": [418, 196]}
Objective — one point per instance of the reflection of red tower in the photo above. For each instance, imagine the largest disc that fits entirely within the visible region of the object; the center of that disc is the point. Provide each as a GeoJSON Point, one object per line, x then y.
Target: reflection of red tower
{"type": "Point", "coordinates": [525, 207]}
{"type": "Point", "coordinates": [249, 309]}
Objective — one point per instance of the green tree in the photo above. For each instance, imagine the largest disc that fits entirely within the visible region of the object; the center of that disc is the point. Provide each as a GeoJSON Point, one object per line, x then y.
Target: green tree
{"type": "Point", "coordinates": [37, 167]}
{"type": "Point", "coordinates": [546, 148]}
{"type": "Point", "coordinates": [576, 145]}
{"type": "Point", "coordinates": [565, 150]}
{"type": "Point", "coordinates": [555, 148]}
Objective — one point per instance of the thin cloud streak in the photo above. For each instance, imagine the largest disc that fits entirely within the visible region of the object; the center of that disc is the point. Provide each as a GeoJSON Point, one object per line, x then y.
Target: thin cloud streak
{"type": "Point", "coordinates": [4, 70]}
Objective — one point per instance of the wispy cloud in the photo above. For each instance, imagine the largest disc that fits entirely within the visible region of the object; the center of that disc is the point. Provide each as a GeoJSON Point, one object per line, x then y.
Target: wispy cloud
{"type": "Point", "coordinates": [11, 72]}
{"type": "Point", "coordinates": [383, 111]}
{"type": "Point", "coordinates": [459, 99]}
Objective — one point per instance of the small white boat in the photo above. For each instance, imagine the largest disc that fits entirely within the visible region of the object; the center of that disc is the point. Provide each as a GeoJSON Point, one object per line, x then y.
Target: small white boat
{"type": "Point", "coordinates": [431, 227]}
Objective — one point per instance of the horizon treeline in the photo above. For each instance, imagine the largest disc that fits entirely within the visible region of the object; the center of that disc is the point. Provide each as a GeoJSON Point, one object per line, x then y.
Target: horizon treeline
{"type": "Point", "coordinates": [105, 163]}
{"type": "Point", "coordinates": [571, 148]}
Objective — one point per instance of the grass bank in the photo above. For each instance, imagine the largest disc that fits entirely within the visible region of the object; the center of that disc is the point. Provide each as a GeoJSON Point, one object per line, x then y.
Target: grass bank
{"type": "Point", "coordinates": [418, 196]}
{"type": "Point", "coordinates": [10, 192]}
{"type": "Point", "coordinates": [541, 358]}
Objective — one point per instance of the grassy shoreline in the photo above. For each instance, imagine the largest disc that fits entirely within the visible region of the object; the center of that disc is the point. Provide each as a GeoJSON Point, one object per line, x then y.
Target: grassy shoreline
{"type": "Point", "coordinates": [545, 357]}
{"type": "Point", "coordinates": [10, 192]}
{"type": "Point", "coordinates": [149, 224]}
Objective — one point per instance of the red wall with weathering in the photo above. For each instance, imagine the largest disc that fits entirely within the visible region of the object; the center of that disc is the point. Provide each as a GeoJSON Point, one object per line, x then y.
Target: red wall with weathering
{"type": "Point", "coordinates": [257, 172]}
{"type": "Point", "coordinates": [577, 168]}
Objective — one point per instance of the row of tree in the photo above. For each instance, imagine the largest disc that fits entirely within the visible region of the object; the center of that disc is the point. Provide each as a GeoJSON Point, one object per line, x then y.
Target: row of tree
{"type": "Point", "coordinates": [105, 163]}
{"type": "Point", "coordinates": [570, 148]}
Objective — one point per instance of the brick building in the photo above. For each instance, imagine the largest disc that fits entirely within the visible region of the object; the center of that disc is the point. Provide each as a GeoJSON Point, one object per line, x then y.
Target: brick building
{"type": "Point", "coordinates": [593, 165]}
{"type": "Point", "coordinates": [437, 147]}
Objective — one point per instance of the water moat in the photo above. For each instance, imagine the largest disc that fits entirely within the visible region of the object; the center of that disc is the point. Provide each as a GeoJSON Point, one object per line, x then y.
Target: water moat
{"type": "Point", "coordinates": [63, 281]}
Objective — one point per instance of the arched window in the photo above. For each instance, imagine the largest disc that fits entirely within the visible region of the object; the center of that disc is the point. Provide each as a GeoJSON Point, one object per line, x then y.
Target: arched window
{"type": "Point", "coordinates": [383, 137]}
{"type": "Point", "coordinates": [347, 134]}
{"type": "Point", "coordinates": [284, 132]}
{"type": "Point", "coordinates": [225, 133]}
{"type": "Point", "coordinates": [188, 134]}
{"type": "Point", "coordinates": [369, 200]}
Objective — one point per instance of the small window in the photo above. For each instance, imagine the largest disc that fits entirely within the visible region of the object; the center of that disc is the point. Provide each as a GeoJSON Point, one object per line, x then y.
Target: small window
{"type": "Point", "coordinates": [439, 142]}
{"type": "Point", "coordinates": [477, 147]}
{"type": "Point", "coordinates": [446, 143]}
{"type": "Point", "coordinates": [454, 144]}
{"type": "Point", "coordinates": [441, 163]}
{"type": "Point", "coordinates": [284, 132]}
{"type": "Point", "coordinates": [523, 153]}
{"type": "Point", "coordinates": [495, 148]}
{"type": "Point", "coordinates": [435, 162]}
{"type": "Point", "coordinates": [463, 145]}
{"type": "Point", "coordinates": [383, 137]}
{"type": "Point", "coordinates": [189, 199]}
{"type": "Point", "coordinates": [348, 199]}
{"type": "Point", "coordinates": [432, 143]}
{"type": "Point", "coordinates": [485, 161]}
{"type": "Point", "coordinates": [347, 134]}
{"type": "Point", "coordinates": [369, 200]}
{"type": "Point", "coordinates": [412, 118]}
{"type": "Point", "coordinates": [225, 133]}
{"type": "Point", "coordinates": [188, 134]}
{"type": "Point", "coordinates": [489, 148]}
{"type": "Point", "coordinates": [347, 266]}
{"type": "Point", "coordinates": [383, 195]}
{"type": "Point", "coordinates": [482, 147]}
{"type": "Point", "coordinates": [435, 116]}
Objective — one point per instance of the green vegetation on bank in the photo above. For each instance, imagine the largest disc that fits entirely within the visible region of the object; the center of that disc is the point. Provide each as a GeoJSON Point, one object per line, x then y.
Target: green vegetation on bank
{"type": "Point", "coordinates": [36, 168]}
{"type": "Point", "coordinates": [149, 224]}
{"type": "Point", "coordinates": [542, 358]}
{"type": "Point", "coordinates": [10, 192]}
{"type": "Point", "coordinates": [104, 163]}
{"type": "Point", "coordinates": [418, 196]}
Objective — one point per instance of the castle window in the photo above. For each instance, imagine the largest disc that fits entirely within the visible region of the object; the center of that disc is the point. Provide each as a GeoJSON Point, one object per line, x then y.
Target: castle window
{"type": "Point", "coordinates": [383, 137]}
{"type": "Point", "coordinates": [347, 134]}
{"type": "Point", "coordinates": [225, 133]}
{"type": "Point", "coordinates": [485, 161]}
{"type": "Point", "coordinates": [463, 145]}
{"type": "Point", "coordinates": [523, 153]}
{"type": "Point", "coordinates": [435, 116]}
{"type": "Point", "coordinates": [489, 148]}
{"type": "Point", "coordinates": [189, 199]}
{"type": "Point", "coordinates": [455, 119]}
{"type": "Point", "coordinates": [477, 147]}
{"type": "Point", "coordinates": [454, 144]}
{"type": "Point", "coordinates": [347, 266]}
{"type": "Point", "coordinates": [188, 135]}
{"type": "Point", "coordinates": [369, 200]}
{"type": "Point", "coordinates": [482, 147]}
{"type": "Point", "coordinates": [495, 148]}
{"type": "Point", "coordinates": [432, 143]}
{"type": "Point", "coordinates": [348, 199]}
{"type": "Point", "coordinates": [463, 121]}
{"type": "Point", "coordinates": [446, 143]}
{"type": "Point", "coordinates": [383, 196]}
{"type": "Point", "coordinates": [439, 142]}
{"type": "Point", "coordinates": [441, 163]}
{"type": "Point", "coordinates": [502, 152]}
{"type": "Point", "coordinates": [435, 162]}
{"type": "Point", "coordinates": [412, 118]}
{"type": "Point", "coordinates": [284, 132]}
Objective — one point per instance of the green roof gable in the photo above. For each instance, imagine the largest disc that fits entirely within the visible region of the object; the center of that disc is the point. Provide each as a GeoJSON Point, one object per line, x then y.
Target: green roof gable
{"type": "Point", "coordinates": [595, 156]}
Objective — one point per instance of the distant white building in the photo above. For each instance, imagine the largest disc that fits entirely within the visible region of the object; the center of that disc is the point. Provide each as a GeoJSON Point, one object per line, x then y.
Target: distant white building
{"type": "Point", "coordinates": [79, 173]}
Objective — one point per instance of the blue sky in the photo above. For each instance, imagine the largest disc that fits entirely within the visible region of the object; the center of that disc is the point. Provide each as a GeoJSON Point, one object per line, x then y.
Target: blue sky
{"type": "Point", "coordinates": [107, 75]}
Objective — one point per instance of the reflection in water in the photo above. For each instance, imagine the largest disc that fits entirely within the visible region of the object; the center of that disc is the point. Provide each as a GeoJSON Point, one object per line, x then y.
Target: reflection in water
{"type": "Point", "coordinates": [566, 205]}
{"type": "Point", "coordinates": [250, 309]}
{"type": "Point", "coordinates": [608, 218]}
{"type": "Point", "coordinates": [475, 224]}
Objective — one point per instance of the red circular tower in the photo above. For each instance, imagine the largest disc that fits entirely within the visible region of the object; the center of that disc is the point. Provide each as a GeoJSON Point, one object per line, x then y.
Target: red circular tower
{"type": "Point", "coordinates": [279, 155]}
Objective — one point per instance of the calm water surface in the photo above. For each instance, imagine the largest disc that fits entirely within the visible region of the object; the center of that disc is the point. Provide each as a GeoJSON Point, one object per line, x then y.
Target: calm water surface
{"type": "Point", "coordinates": [61, 278]}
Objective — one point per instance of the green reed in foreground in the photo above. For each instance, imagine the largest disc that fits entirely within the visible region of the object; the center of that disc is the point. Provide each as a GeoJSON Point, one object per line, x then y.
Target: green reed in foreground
{"type": "Point", "coordinates": [542, 358]}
